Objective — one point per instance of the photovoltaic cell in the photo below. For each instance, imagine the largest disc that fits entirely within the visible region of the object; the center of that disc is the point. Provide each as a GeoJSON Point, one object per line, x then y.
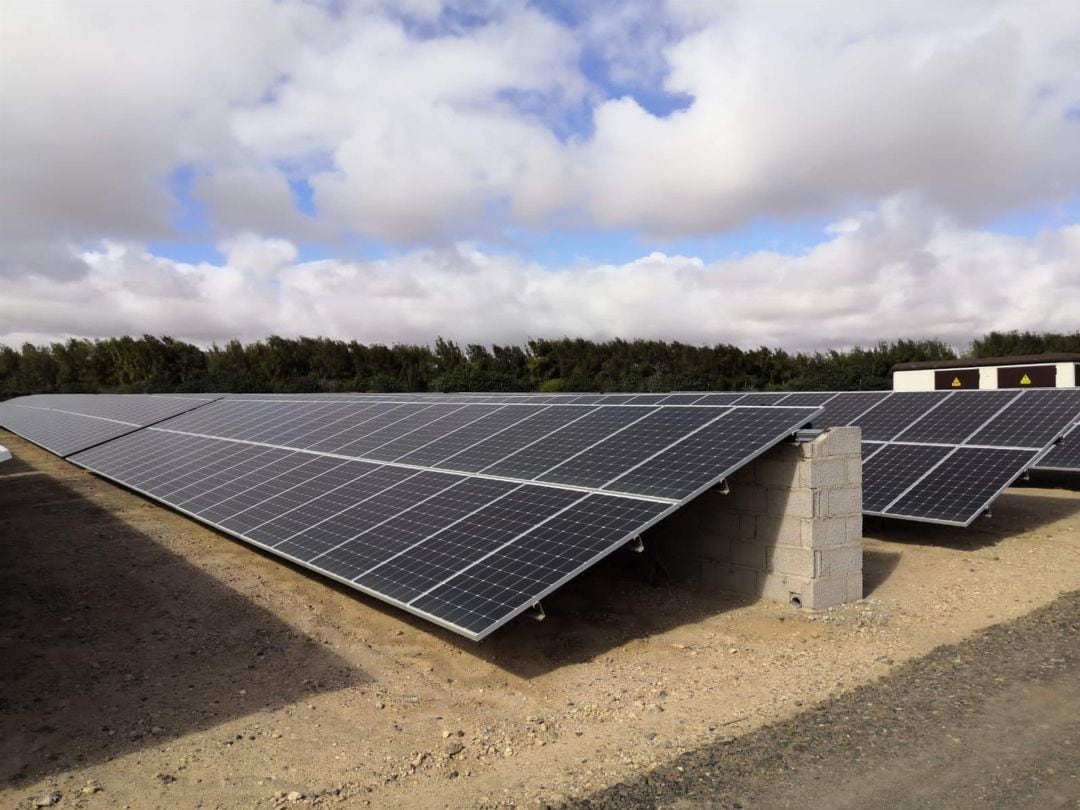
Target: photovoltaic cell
{"type": "Point", "coordinates": [722, 398]}
{"type": "Point", "coordinates": [514, 438]}
{"type": "Point", "coordinates": [629, 447]}
{"type": "Point", "coordinates": [845, 407]}
{"type": "Point", "coordinates": [408, 527]}
{"type": "Point", "coordinates": [1034, 420]}
{"type": "Point", "coordinates": [303, 477]}
{"type": "Point", "coordinates": [1065, 457]}
{"type": "Point", "coordinates": [481, 595]}
{"type": "Point", "coordinates": [375, 509]}
{"type": "Point", "coordinates": [896, 413]}
{"type": "Point", "coordinates": [888, 473]}
{"type": "Point", "coordinates": [471, 435]}
{"type": "Point", "coordinates": [963, 485]}
{"type": "Point", "coordinates": [957, 417]}
{"type": "Point", "coordinates": [66, 423]}
{"type": "Point", "coordinates": [808, 398]}
{"type": "Point", "coordinates": [712, 453]}
{"type": "Point", "coordinates": [441, 555]}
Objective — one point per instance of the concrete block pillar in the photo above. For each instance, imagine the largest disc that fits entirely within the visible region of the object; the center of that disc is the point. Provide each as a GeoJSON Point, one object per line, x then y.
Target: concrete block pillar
{"type": "Point", "coordinates": [790, 529]}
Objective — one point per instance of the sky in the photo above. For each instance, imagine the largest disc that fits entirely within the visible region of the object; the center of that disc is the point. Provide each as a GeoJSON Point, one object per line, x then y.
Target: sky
{"type": "Point", "coordinates": [788, 174]}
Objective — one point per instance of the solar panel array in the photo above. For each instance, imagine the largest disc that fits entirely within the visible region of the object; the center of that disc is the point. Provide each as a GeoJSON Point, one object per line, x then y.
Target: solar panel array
{"type": "Point", "coordinates": [1065, 457]}
{"type": "Point", "coordinates": [465, 510]}
{"type": "Point", "coordinates": [66, 423]}
{"type": "Point", "coordinates": [945, 456]}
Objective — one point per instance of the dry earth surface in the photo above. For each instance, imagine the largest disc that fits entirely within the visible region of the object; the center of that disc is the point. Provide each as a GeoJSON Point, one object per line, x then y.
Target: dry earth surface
{"type": "Point", "coordinates": [148, 662]}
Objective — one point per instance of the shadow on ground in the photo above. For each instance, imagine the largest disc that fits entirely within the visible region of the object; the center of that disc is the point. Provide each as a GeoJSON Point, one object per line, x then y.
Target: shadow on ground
{"type": "Point", "coordinates": [877, 568]}
{"type": "Point", "coordinates": [110, 643]}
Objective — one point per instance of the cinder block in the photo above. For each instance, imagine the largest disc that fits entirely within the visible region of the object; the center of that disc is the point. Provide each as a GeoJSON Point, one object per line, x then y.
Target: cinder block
{"type": "Point", "coordinates": [778, 474]}
{"type": "Point", "coordinates": [788, 452]}
{"type": "Point", "coordinates": [826, 592]}
{"type": "Point", "coordinates": [790, 560]}
{"type": "Point", "coordinates": [843, 441]}
{"type": "Point", "coordinates": [747, 525]}
{"type": "Point", "coordinates": [826, 473]}
{"type": "Point", "coordinates": [845, 501]}
{"type": "Point", "coordinates": [783, 587]}
{"type": "Point", "coordinates": [744, 475]}
{"type": "Point", "coordinates": [682, 567]}
{"type": "Point", "coordinates": [793, 503]}
{"type": "Point", "coordinates": [751, 554]}
{"type": "Point", "coordinates": [738, 579]}
{"type": "Point", "coordinates": [836, 561]}
{"type": "Point", "coordinates": [719, 520]}
{"type": "Point", "coordinates": [780, 530]}
{"type": "Point", "coordinates": [747, 498]}
{"type": "Point", "coordinates": [854, 587]}
{"type": "Point", "coordinates": [853, 527]}
{"type": "Point", "coordinates": [854, 471]}
{"type": "Point", "coordinates": [825, 531]}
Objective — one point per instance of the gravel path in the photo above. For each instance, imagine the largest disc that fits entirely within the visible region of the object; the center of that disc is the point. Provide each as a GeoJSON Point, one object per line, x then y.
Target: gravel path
{"type": "Point", "coordinates": [991, 722]}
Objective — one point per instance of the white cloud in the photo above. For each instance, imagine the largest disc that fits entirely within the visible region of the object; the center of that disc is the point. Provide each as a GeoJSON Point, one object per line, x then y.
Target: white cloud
{"type": "Point", "coordinates": [450, 135]}
{"type": "Point", "coordinates": [909, 123]}
{"type": "Point", "coordinates": [966, 103]}
{"type": "Point", "coordinates": [902, 272]}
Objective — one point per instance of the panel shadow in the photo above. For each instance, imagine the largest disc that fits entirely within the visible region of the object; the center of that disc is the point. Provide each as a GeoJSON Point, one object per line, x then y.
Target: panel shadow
{"type": "Point", "coordinates": [110, 642]}
{"type": "Point", "coordinates": [877, 568]}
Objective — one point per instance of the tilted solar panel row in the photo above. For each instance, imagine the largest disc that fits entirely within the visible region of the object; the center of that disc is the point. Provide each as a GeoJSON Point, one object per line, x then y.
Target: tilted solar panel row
{"type": "Point", "coordinates": [463, 512]}
{"type": "Point", "coordinates": [66, 423]}
{"type": "Point", "coordinates": [945, 456]}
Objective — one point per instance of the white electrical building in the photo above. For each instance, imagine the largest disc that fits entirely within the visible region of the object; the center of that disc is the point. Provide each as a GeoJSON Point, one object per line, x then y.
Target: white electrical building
{"type": "Point", "coordinates": [1027, 371]}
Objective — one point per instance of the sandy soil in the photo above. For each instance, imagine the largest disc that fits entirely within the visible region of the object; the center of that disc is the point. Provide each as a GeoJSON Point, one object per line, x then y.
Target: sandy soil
{"type": "Point", "coordinates": [148, 662]}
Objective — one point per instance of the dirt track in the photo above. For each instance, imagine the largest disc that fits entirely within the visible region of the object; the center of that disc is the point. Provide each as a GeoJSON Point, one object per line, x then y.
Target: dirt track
{"type": "Point", "coordinates": [147, 661]}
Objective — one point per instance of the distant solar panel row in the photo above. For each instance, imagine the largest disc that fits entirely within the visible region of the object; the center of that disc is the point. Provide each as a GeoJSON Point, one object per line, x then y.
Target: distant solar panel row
{"type": "Point", "coordinates": [945, 456]}
{"type": "Point", "coordinates": [1065, 457]}
{"type": "Point", "coordinates": [463, 512]}
{"type": "Point", "coordinates": [66, 423]}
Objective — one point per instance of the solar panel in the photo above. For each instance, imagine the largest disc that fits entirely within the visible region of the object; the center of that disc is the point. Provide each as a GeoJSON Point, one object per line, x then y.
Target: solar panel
{"type": "Point", "coordinates": [1064, 457]}
{"type": "Point", "coordinates": [463, 512]}
{"type": "Point", "coordinates": [845, 407]}
{"type": "Point", "coordinates": [66, 423]}
{"type": "Point", "coordinates": [962, 485]}
{"type": "Point", "coordinates": [958, 450]}
{"type": "Point", "coordinates": [1036, 418]}
{"type": "Point", "coordinates": [890, 472]}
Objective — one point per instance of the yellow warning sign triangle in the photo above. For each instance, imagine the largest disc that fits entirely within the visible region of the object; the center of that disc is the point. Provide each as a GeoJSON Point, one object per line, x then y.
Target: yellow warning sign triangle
{"type": "Point", "coordinates": [1025, 380]}
{"type": "Point", "coordinates": [956, 382]}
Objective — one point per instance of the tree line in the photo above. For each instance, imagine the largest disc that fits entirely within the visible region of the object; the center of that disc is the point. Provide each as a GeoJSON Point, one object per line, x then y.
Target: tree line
{"type": "Point", "coordinates": [291, 365]}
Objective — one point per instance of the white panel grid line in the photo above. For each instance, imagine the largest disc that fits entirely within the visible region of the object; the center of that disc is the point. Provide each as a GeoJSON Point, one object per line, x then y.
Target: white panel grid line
{"type": "Point", "coordinates": [590, 409]}
{"type": "Point", "coordinates": [393, 411]}
{"type": "Point", "coordinates": [387, 426]}
{"type": "Point", "coordinates": [337, 466]}
{"type": "Point", "coordinates": [331, 492]}
{"type": "Point", "coordinates": [919, 480]}
{"type": "Point", "coordinates": [494, 551]}
{"type": "Point", "coordinates": [395, 516]}
{"type": "Point", "coordinates": [422, 468]}
{"type": "Point", "coordinates": [499, 409]}
{"type": "Point", "coordinates": [287, 417]}
{"type": "Point", "coordinates": [270, 454]}
{"type": "Point", "coordinates": [610, 435]}
{"type": "Point", "coordinates": [348, 412]}
{"type": "Point", "coordinates": [685, 436]}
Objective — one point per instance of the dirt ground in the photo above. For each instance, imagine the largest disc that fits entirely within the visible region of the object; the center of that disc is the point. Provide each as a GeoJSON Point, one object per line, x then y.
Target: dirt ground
{"type": "Point", "coordinates": [148, 662]}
